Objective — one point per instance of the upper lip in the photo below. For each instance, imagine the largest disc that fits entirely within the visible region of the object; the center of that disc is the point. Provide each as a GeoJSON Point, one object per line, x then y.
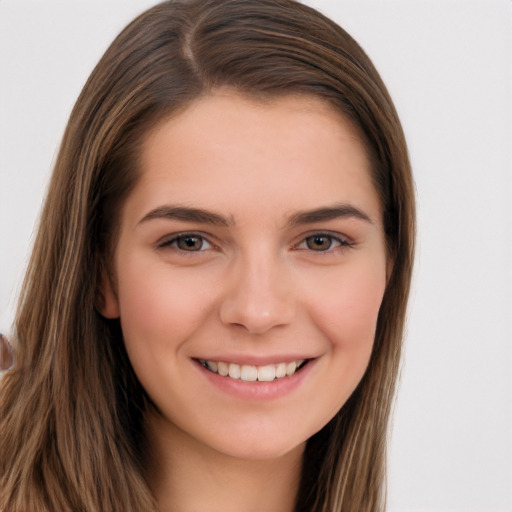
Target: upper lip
{"type": "Point", "coordinates": [254, 360]}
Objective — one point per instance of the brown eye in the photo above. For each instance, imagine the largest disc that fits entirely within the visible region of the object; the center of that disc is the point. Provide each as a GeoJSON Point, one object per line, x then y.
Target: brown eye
{"type": "Point", "coordinates": [190, 242]}
{"type": "Point", "coordinates": [319, 242]}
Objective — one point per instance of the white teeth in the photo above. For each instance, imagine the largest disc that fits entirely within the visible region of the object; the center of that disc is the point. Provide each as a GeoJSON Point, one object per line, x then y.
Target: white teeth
{"type": "Point", "coordinates": [234, 371]}
{"type": "Point", "coordinates": [251, 373]}
{"type": "Point", "coordinates": [291, 367]}
{"type": "Point", "coordinates": [281, 370]}
{"type": "Point", "coordinates": [266, 373]}
{"type": "Point", "coordinates": [222, 368]}
{"type": "Point", "coordinates": [213, 366]}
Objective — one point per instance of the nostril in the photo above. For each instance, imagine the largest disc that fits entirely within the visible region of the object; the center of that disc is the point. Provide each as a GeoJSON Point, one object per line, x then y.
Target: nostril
{"type": "Point", "coordinates": [7, 355]}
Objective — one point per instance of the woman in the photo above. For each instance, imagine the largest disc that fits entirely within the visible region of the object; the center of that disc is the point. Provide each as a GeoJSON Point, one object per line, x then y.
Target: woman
{"type": "Point", "coordinates": [213, 312]}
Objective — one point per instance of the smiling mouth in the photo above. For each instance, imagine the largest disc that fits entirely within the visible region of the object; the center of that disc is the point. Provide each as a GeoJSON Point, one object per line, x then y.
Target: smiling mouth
{"type": "Point", "coordinates": [252, 373]}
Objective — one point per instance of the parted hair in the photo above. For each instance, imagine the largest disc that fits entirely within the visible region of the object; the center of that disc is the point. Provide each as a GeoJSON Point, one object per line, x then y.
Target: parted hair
{"type": "Point", "coordinates": [72, 410]}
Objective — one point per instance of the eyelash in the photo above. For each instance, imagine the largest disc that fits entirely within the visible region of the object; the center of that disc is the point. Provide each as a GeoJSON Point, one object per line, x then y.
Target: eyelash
{"type": "Point", "coordinates": [342, 243]}
{"type": "Point", "coordinates": [174, 240]}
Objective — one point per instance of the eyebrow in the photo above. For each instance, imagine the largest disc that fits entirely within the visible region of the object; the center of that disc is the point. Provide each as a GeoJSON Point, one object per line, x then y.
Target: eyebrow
{"type": "Point", "coordinates": [202, 216]}
{"type": "Point", "coordinates": [188, 215]}
{"type": "Point", "coordinates": [328, 213]}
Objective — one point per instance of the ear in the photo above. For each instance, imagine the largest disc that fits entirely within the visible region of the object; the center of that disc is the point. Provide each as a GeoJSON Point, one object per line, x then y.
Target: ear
{"type": "Point", "coordinates": [107, 303]}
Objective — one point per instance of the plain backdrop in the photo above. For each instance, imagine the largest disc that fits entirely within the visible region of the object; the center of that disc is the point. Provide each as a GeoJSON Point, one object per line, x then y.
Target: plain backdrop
{"type": "Point", "coordinates": [448, 66]}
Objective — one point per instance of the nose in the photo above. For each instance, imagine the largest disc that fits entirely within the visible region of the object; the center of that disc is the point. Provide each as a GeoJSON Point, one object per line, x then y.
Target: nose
{"type": "Point", "coordinates": [258, 297]}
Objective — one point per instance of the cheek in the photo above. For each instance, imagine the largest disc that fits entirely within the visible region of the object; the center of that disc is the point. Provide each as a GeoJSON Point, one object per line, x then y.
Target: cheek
{"type": "Point", "coordinates": [160, 309]}
{"type": "Point", "coordinates": [347, 311]}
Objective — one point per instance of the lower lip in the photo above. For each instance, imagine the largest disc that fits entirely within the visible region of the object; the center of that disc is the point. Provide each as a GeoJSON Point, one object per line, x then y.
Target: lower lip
{"type": "Point", "coordinates": [257, 391]}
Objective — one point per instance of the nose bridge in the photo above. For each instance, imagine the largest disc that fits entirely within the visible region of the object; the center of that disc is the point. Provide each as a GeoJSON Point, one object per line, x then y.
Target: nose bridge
{"type": "Point", "coordinates": [258, 296]}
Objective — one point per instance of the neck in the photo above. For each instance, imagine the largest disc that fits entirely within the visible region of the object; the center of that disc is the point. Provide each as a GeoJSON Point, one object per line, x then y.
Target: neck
{"type": "Point", "coordinates": [186, 476]}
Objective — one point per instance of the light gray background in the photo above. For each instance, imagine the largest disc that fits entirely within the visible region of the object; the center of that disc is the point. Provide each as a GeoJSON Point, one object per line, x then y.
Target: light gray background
{"type": "Point", "coordinates": [448, 65]}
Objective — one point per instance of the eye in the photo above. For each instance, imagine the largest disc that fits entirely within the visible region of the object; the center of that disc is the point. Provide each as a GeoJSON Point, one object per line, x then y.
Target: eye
{"type": "Point", "coordinates": [319, 242]}
{"type": "Point", "coordinates": [188, 242]}
{"type": "Point", "coordinates": [323, 242]}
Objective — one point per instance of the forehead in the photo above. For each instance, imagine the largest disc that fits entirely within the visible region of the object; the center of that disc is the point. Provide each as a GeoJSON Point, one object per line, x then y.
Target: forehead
{"type": "Point", "coordinates": [226, 145]}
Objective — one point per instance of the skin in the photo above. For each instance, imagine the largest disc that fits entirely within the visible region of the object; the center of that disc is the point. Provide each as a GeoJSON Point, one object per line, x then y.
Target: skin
{"type": "Point", "coordinates": [260, 288]}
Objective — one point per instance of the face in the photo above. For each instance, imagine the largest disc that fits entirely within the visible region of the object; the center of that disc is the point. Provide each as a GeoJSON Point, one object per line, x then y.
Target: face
{"type": "Point", "coordinates": [252, 246]}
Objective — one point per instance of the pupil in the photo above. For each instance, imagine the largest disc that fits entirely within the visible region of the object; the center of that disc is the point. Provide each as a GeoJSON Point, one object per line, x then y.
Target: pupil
{"type": "Point", "coordinates": [321, 243]}
{"type": "Point", "coordinates": [189, 243]}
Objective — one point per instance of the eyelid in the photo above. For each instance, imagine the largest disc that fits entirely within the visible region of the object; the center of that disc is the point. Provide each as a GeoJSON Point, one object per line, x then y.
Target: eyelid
{"type": "Point", "coordinates": [344, 242]}
{"type": "Point", "coordinates": [341, 241]}
{"type": "Point", "coordinates": [170, 239]}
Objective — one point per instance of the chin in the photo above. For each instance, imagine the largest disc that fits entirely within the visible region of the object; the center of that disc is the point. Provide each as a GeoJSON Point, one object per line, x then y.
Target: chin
{"type": "Point", "coordinates": [263, 450]}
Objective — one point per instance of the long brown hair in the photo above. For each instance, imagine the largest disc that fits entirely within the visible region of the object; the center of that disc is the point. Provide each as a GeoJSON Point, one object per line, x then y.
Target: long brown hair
{"type": "Point", "coordinates": [72, 409]}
